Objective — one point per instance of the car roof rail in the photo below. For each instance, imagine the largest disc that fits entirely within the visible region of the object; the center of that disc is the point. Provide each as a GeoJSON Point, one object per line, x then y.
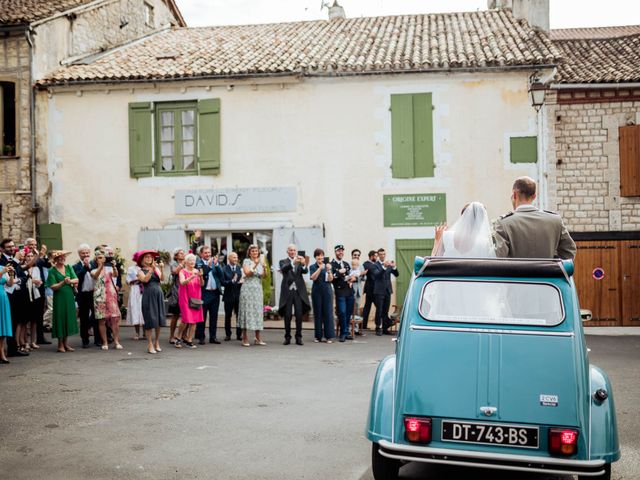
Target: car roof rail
{"type": "Point", "coordinates": [493, 267]}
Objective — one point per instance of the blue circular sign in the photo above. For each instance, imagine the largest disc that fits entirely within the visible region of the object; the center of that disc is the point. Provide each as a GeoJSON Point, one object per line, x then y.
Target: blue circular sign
{"type": "Point", "coordinates": [598, 273]}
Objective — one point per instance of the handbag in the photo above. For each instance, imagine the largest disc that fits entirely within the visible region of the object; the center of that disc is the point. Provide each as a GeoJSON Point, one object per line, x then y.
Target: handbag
{"type": "Point", "coordinates": [195, 303]}
{"type": "Point", "coordinates": [172, 293]}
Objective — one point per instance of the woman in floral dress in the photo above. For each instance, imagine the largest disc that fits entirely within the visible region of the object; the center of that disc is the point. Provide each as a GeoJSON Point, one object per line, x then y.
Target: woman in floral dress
{"type": "Point", "coordinates": [105, 300]}
{"type": "Point", "coordinates": [250, 311]}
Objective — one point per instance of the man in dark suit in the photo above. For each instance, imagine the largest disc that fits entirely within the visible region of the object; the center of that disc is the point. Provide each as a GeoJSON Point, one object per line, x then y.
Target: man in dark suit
{"type": "Point", "coordinates": [382, 291]}
{"type": "Point", "coordinates": [211, 293]}
{"type": "Point", "coordinates": [18, 297]}
{"type": "Point", "coordinates": [293, 293]}
{"type": "Point", "coordinates": [84, 297]}
{"type": "Point", "coordinates": [232, 274]}
{"type": "Point", "coordinates": [368, 266]}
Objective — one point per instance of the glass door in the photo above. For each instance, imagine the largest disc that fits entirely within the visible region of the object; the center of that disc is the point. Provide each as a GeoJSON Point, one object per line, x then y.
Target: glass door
{"type": "Point", "coordinates": [219, 243]}
{"type": "Point", "coordinates": [222, 243]}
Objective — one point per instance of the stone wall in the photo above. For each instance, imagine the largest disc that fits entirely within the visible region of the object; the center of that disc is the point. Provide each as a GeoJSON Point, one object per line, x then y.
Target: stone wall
{"type": "Point", "coordinates": [15, 195]}
{"type": "Point", "coordinates": [94, 29]}
{"type": "Point", "coordinates": [115, 23]}
{"type": "Point", "coordinates": [584, 161]}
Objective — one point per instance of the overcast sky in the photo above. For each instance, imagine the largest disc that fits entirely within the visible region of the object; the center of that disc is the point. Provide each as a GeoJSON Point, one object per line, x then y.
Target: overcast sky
{"type": "Point", "coordinates": [564, 13]}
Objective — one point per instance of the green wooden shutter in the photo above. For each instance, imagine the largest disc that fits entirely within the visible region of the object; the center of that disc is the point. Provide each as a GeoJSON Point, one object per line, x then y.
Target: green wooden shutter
{"type": "Point", "coordinates": [406, 251]}
{"type": "Point", "coordinates": [402, 136]}
{"type": "Point", "coordinates": [140, 151]}
{"type": "Point", "coordinates": [209, 136]}
{"type": "Point", "coordinates": [524, 149]}
{"type": "Point", "coordinates": [422, 135]}
{"type": "Point", "coordinates": [50, 234]}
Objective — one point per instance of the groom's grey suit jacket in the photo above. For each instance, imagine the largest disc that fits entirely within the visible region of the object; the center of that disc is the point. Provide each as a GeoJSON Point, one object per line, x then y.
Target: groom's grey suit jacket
{"type": "Point", "coordinates": [531, 233]}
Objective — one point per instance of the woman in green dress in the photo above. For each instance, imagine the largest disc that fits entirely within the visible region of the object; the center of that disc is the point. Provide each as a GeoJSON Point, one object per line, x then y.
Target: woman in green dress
{"type": "Point", "coordinates": [62, 280]}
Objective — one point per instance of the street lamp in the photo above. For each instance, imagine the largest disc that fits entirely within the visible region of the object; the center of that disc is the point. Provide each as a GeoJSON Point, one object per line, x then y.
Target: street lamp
{"type": "Point", "coordinates": [536, 92]}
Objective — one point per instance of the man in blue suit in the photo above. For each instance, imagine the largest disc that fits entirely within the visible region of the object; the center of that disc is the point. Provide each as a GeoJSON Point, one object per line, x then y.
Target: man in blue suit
{"type": "Point", "coordinates": [211, 292]}
{"type": "Point", "coordinates": [231, 297]}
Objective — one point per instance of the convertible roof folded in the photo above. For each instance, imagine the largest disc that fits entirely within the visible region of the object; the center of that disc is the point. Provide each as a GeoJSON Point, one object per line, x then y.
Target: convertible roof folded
{"type": "Point", "coordinates": [492, 267]}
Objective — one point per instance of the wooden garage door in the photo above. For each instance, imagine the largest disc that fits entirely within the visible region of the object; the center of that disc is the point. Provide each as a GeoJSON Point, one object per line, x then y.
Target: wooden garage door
{"type": "Point", "coordinates": [602, 297]}
{"type": "Point", "coordinates": [630, 266]}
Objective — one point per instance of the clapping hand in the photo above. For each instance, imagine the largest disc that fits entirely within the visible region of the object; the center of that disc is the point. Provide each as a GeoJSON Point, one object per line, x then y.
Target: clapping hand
{"type": "Point", "coordinates": [67, 280]}
{"type": "Point", "coordinates": [43, 250]}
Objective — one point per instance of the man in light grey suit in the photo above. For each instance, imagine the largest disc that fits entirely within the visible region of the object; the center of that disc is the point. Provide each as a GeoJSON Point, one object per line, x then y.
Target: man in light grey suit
{"type": "Point", "coordinates": [528, 232]}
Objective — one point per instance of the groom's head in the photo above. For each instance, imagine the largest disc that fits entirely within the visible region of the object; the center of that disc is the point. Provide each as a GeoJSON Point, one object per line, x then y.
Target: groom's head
{"type": "Point", "coordinates": [524, 191]}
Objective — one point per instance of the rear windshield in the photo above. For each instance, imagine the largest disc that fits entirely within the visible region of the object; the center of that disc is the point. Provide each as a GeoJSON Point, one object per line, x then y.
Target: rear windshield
{"type": "Point", "coordinates": [464, 301]}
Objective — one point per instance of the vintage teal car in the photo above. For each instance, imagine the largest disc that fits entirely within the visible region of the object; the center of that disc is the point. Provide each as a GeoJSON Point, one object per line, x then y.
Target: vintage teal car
{"type": "Point", "coordinates": [492, 370]}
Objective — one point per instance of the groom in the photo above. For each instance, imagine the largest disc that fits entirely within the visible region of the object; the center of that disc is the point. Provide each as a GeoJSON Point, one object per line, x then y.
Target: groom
{"type": "Point", "coordinates": [528, 232]}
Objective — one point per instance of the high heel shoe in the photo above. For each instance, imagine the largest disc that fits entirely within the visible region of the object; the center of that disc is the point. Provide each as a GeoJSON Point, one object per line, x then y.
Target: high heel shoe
{"type": "Point", "coordinates": [259, 342]}
{"type": "Point", "coordinates": [35, 346]}
{"type": "Point", "coordinates": [152, 350]}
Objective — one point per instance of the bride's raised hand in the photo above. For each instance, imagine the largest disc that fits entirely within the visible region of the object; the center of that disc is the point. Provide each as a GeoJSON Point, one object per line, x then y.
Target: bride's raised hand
{"type": "Point", "coordinates": [439, 231]}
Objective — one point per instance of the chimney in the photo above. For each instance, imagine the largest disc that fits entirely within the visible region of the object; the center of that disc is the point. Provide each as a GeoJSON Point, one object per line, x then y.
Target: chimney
{"type": "Point", "coordinates": [336, 11]}
{"type": "Point", "coordinates": [536, 12]}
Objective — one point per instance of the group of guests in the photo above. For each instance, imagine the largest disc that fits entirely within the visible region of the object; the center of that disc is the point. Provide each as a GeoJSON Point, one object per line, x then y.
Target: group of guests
{"type": "Point", "coordinates": [24, 279]}
{"type": "Point", "coordinates": [346, 281]}
{"type": "Point", "coordinates": [197, 285]}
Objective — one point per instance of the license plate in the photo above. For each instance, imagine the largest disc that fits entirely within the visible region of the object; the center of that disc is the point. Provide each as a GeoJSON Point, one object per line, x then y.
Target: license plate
{"type": "Point", "coordinates": [490, 433]}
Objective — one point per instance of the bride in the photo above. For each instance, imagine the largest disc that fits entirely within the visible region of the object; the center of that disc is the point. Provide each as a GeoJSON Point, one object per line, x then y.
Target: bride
{"type": "Point", "coordinates": [470, 236]}
{"type": "Point", "coordinates": [470, 301]}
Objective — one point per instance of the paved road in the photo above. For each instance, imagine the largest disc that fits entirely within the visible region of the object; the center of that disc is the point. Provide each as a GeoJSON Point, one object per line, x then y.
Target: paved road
{"type": "Point", "coordinates": [226, 412]}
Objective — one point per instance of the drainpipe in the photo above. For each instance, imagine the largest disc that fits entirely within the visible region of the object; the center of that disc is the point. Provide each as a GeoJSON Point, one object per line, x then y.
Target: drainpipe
{"type": "Point", "coordinates": [32, 126]}
{"type": "Point", "coordinates": [543, 187]}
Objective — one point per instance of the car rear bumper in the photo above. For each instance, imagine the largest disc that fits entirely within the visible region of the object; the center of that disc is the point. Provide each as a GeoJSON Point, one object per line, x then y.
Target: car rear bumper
{"type": "Point", "coordinates": [500, 461]}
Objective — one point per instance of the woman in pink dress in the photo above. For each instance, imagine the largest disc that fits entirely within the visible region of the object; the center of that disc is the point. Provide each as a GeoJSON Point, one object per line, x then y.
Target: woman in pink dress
{"type": "Point", "coordinates": [105, 299]}
{"type": "Point", "coordinates": [190, 286]}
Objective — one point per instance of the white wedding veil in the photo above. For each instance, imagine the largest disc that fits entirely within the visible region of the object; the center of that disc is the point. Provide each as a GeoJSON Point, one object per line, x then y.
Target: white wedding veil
{"type": "Point", "coordinates": [472, 233]}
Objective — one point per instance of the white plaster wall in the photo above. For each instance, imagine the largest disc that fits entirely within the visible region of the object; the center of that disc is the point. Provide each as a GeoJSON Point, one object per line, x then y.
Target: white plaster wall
{"type": "Point", "coordinates": [329, 137]}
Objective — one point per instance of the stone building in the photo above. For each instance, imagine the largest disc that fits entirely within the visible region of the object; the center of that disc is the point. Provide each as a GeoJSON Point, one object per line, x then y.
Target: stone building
{"type": "Point", "coordinates": [37, 37]}
{"type": "Point", "coordinates": [593, 152]}
{"type": "Point", "coordinates": [361, 131]}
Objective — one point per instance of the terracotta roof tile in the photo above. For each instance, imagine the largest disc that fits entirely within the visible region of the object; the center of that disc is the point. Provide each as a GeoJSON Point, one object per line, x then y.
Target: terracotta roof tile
{"type": "Point", "coordinates": [347, 46]}
{"type": "Point", "coordinates": [27, 11]}
{"type": "Point", "coordinates": [594, 32]}
{"type": "Point", "coordinates": [600, 59]}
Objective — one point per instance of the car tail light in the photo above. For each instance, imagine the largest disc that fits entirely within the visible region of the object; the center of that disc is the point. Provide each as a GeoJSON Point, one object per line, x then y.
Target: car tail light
{"type": "Point", "coordinates": [563, 441]}
{"type": "Point", "coordinates": [417, 430]}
